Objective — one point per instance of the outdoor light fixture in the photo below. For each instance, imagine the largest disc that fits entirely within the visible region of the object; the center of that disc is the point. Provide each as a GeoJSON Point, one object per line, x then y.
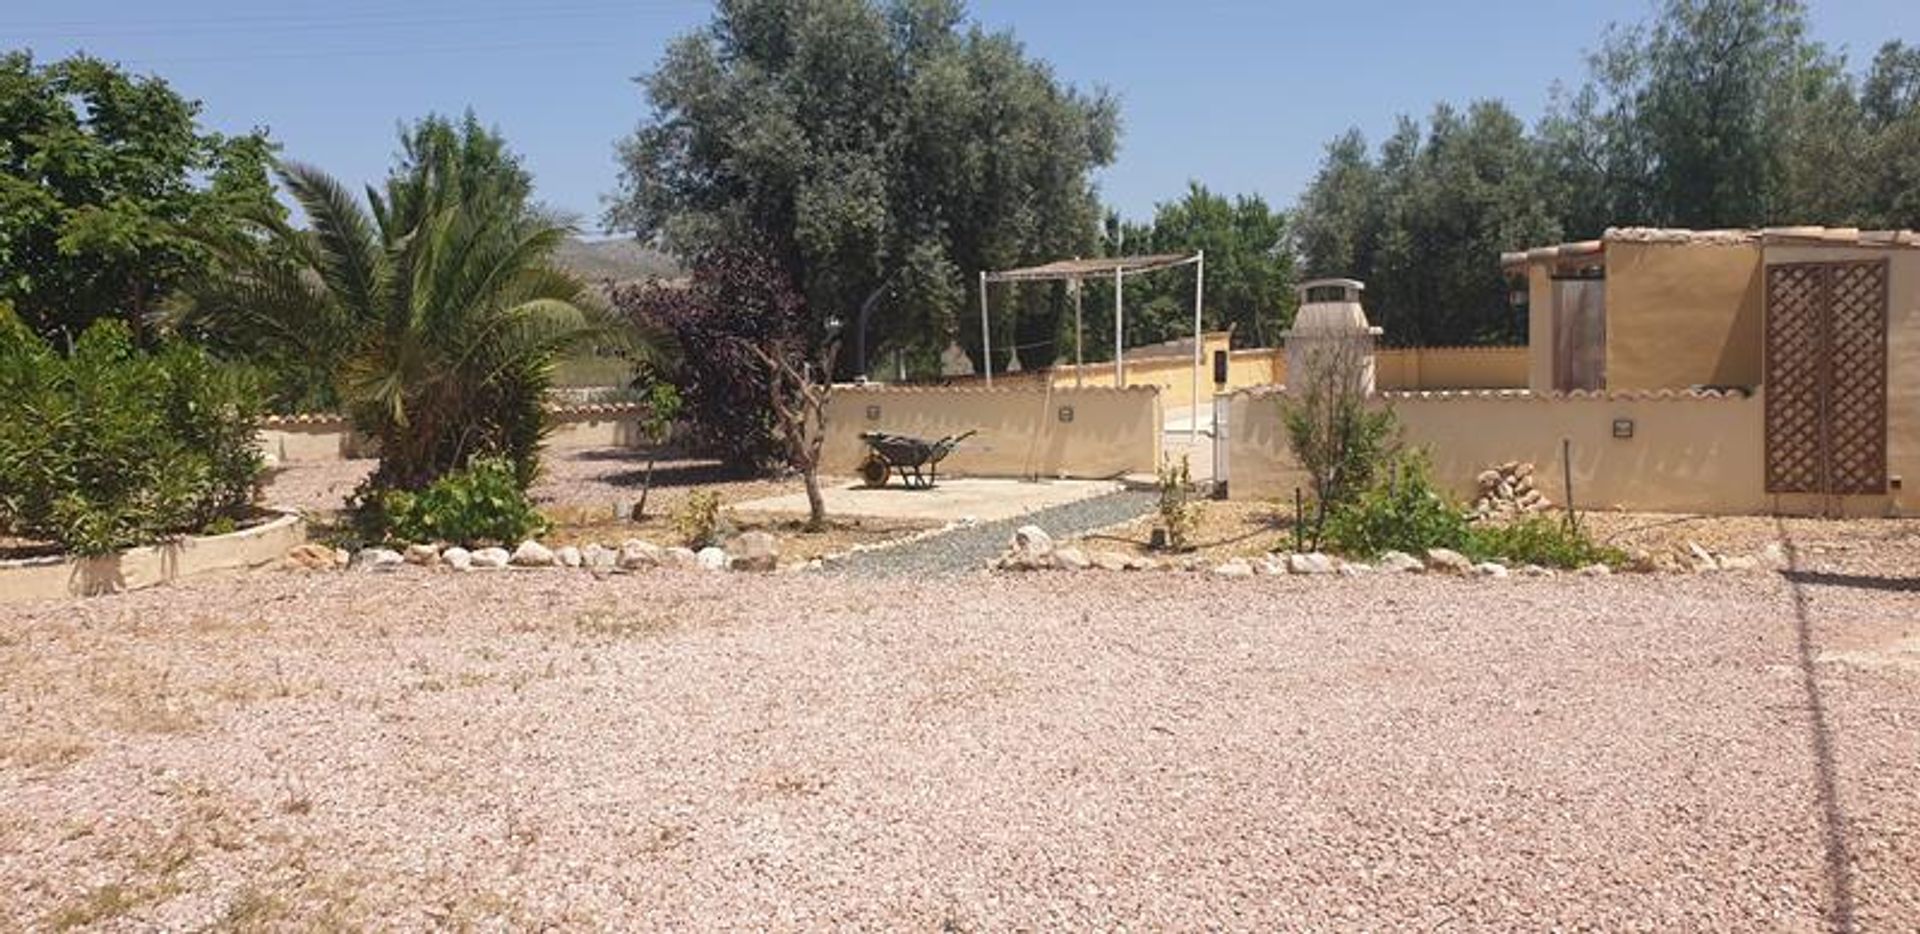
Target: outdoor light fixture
{"type": "Point", "coordinates": [1623, 427]}
{"type": "Point", "coordinates": [873, 413]}
{"type": "Point", "coordinates": [1066, 413]}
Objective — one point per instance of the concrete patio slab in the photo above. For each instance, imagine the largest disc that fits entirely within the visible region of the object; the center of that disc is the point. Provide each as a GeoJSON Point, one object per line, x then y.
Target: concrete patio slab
{"type": "Point", "coordinates": [980, 498]}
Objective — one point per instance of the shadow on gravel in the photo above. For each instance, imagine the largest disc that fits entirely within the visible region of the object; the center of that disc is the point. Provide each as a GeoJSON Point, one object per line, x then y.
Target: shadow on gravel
{"type": "Point", "coordinates": [1861, 581]}
{"type": "Point", "coordinates": [1840, 910]}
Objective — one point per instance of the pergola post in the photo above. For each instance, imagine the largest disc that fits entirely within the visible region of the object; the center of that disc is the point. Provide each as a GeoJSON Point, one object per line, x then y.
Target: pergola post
{"type": "Point", "coordinates": [1119, 331]}
{"type": "Point", "coordinates": [986, 330]}
{"type": "Point", "coordinates": [1199, 352]}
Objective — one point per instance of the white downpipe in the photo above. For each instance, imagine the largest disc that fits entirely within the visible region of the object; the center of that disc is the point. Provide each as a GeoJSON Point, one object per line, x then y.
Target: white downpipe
{"type": "Point", "coordinates": [1079, 360]}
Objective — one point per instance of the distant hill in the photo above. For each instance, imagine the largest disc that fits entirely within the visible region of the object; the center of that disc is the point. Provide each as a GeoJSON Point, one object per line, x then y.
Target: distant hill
{"type": "Point", "coordinates": [621, 260]}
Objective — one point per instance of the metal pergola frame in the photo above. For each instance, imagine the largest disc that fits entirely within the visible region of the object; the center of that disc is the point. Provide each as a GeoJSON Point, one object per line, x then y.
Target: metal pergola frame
{"type": "Point", "coordinates": [1076, 271]}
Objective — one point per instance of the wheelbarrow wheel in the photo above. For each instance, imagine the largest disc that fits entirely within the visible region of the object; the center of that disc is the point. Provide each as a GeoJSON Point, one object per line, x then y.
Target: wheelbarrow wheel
{"type": "Point", "coordinates": [874, 470]}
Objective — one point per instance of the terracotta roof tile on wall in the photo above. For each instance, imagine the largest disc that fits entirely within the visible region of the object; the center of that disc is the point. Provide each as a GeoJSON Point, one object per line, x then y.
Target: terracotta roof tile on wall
{"type": "Point", "coordinates": [1812, 235]}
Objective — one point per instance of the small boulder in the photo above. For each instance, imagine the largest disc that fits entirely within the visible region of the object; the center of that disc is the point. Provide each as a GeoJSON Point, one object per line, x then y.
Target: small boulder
{"type": "Point", "coordinates": [1238, 567]}
{"type": "Point", "coordinates": [1030, 548]}
{"type": "Point", "coordinates": [568, 556]}
{"type": "Point", "coordinates": [598, 557]}
{"type": "Point", "coordinates": [711, 558]}
{"type": "Point", "coordinates": [1310, 563]}
{"type": "Point", "coordinates": [377, 559]}
{"type": "Point", "coordinates": [679, 557]}
{"type": "Point", "coordinates": [1774, 555]}
{"type": "Point", "coordinates": [1448, 561]}
{"type": "Point", "coordinates": [1739, 563]}
{"type": "Point", "coordinates": [1355, 569]}
{"type": "Point", "coordinates": [1399, 562]}
{"type": "Point", "coordinates": [1110, 561]}
{"type": "Point", "coordinates": [1272, 565]}
{"type": "Point", "coordinates": [532, 554]}
{"type": "Point", "coordinates": [341, 558]}
{"type": "Point", "coordinates": [1490, 569]}
{"type": "Point", "coordinates": [1534, 570]}
{"type": "Point", "coordinates": [1072, 559]}
{"type": "Point", "coordinates": [488, 559]}
{"type": "Point", "coordinates": [1143, 563]}
{"type": "Point", "coordinates": [458, 558]}
{"type": "Point", "coordinates": [756, 551]}
{"type": "Point", "coordinates": [636, 554]}
{"type": "Point", "coordinates": [310, 557]}
{"type": "Point", "coordinates": [1595, 570]}
{"type": "Point", "coordinates": [423, 554]}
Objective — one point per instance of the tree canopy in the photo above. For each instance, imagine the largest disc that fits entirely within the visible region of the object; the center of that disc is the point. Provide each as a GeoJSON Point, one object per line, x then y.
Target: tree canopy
{"type": "Point", "coordinates": [880, 152]}
{"type": "Point", "coordinates": [1715, 113]}
{"type": "Point", "coordinates": [110, 191]}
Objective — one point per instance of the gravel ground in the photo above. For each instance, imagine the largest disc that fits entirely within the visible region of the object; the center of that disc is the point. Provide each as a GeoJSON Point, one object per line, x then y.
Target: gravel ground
{"type": "Point", "coordinates": [674, 750]}
{"type": "Point", "coordinates": [972, 547]}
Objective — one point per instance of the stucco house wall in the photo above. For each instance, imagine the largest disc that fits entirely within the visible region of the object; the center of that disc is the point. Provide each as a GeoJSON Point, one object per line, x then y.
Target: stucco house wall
{"type": "Point", "coordinates": [1683, 314]}
{"type": "Point", "coordinates": [1023, 431]}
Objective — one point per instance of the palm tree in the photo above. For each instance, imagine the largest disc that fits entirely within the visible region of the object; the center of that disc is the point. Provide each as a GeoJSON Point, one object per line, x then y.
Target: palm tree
{"type": "Point", "coordinates": [433, 311]}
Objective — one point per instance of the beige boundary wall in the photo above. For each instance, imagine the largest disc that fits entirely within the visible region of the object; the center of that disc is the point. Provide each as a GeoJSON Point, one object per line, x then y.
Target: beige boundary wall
{"type": "Point", "coordinates": [1022, 430]}
{"type": "Point", "coordinates": [1690, 452]}
{"type": "Point", "coordinates": [308, 439]}
{"type": "Point", "coordinates": [58, 578]}
{"type": "Point", "coordinates": [1396, 368]}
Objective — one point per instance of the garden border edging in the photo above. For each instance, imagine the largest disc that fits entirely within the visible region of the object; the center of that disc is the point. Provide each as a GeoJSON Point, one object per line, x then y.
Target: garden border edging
{"type": "Point", "coordinates": [61, 576]}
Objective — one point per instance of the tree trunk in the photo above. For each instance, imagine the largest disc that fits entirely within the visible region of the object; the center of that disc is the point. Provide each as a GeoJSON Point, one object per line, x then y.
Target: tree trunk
{"type": "Point", "coordinates": [646, 486]}
{"type": "Point", "coordinates": [816, 504]}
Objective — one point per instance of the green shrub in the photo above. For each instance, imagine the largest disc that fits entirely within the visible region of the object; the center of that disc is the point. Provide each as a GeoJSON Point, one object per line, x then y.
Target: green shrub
{"type": "Point", "coordinates": [697, 521]}
{"type": "Point", "coordinates": [482, 504]}
{"type": "Point", "coordinates": [1538, 540]}
{"type": "Point", "coordinates": [1403, 513]}
{"type": "Point", "coordinates": [1178, 514]}
{"type": "Point", "coordinates": [110, 446]}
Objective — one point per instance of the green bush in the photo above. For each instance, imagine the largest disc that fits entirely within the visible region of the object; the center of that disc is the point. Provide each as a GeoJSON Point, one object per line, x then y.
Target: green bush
{"type": "Point", "coordinates": [1406, 513]}
{"type": "Point", "coordinates": [1177, 513]}
{"type": "Point", "coordinates": [111, 446]}
{"type": "Point", "coordinates": [1538, 540]}
{"type": "Point", "coordinates": [1403, 513]}
{"type": "Point", "coordinates": [484, 503]}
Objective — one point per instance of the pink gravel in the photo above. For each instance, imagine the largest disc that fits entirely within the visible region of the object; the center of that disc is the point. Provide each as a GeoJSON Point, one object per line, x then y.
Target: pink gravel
{"type": "Point", "coordinates": [668, 750]}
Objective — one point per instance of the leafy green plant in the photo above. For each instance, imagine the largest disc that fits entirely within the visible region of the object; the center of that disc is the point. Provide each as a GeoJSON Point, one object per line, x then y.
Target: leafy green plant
{"type": "Point", "coordinates": [1179, 515]}
{"type": "Point", "coordinates": [483, 503]}
{"type": "Point", "coordinates": [1403, 512]}
{"type": "Point", "coordinates": [1338, 440]}
{"type": "Point", "coordinates": [697, 521]}
{"type": "Point", "coordinates": [1539, 540]}
{"type": "Point", "coordinates": [110, 446]}
{"type": "Point", "coordinates": [663, 405]}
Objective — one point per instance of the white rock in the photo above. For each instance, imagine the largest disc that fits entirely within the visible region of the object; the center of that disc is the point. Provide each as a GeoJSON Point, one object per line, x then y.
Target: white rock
{"type": "Point", "coordinates": [487, 559]}
{"type": "Point", "coordinates": [756, 551]}
{"type": "Point", "coordinates": [1448, 561]}
{"type": "Point", "coordinates": [532, 554]}
{"type": "Point", "coordinates": [422, 554]}
{"type": "Point", "coordinates": [1030, 548]}
{"type": "Point", "coordinates": [1072, 559]}
{"type": "Point", "coordinates": [458, 558]}
{"type": "Point", "coordinates": [1238, 567]}
{"type": "Point", "coordinates": [1272, 565]}
{"type": "Point", "coordinates": [341, 557]}
{"type": "Point", "coordinates": [1143, 563]}
{"type": "Point", "coordinates": [1595, 570]}
{"type": "Point", "coordinates": [1310, 563]}
{"type": "Point", "coordinates": [1490, 569]}
{"type": "Point", "coordinates": [679, 557]}
{"type": "Point", "coordinates": [1355, 569]}
{"type": "Point", "coordinates": [1111, 561]}
{"type": "Point", "coordinates": [1399, 562]}
{"type": "Point", "coordinates": [377, 559]}
{"type": "Point", "coordinates": [1534, 570]}
{"type": "Point", "coordinates": [1738, 562]}
{"type": "Point", "coordinates": [569, 557]}
{"type": "Point", "coordinates": [636, 554]}
{"type": "Point", "coordinates": [598, 557]}
{"type": "Point", "coordinates": [1775, 555]}
{"type": "Point", "coordinates": [711, 558]}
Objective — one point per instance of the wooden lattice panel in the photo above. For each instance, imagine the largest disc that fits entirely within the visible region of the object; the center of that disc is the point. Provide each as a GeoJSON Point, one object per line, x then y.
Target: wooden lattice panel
{"type": "Point", "coordinates": [1857, 378]}
{"type": "Point", "coordinates": [1796, 377]}
{"type": "Point", "coordinates": [1826, 344]}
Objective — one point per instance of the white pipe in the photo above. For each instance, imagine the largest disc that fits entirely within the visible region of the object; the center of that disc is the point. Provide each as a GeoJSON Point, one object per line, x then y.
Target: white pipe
{"type": "Point", "coordinates": [1199, 351]}
{"type": "Point", "coordinates": [1119, 332]}
{"type": "Point", "coordinates": [986, 332]}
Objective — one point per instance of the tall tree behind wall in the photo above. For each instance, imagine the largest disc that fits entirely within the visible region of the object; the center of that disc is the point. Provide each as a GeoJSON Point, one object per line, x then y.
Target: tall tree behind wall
{"type": "Point", "coordinates": [883, 152]}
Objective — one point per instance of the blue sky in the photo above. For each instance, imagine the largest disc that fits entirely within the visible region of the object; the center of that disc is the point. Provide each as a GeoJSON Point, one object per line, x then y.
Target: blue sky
{"type": "Point", "coordinates": [1238, 94]}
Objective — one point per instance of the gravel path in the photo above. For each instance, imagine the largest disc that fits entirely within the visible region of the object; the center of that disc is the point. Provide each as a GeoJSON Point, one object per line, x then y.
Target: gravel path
{"type": "Point", "coordinates": [1047, 751]}
{"type": "Point", "coordinates": [970, 548]}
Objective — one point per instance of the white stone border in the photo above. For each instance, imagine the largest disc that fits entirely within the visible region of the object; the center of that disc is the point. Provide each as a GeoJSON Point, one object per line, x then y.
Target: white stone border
{"type": "Point", "coordinates": [58, 577]}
